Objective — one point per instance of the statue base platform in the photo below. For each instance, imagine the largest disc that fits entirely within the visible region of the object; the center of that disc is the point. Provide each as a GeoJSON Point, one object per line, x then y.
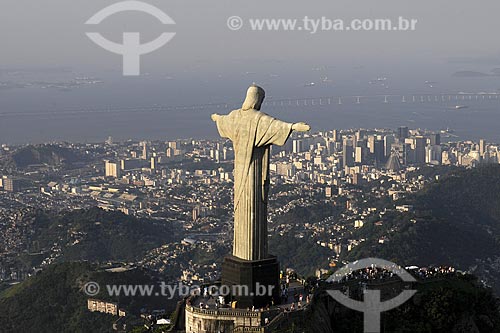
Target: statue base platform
{"type": "Point", "coordinates": [260, 276]}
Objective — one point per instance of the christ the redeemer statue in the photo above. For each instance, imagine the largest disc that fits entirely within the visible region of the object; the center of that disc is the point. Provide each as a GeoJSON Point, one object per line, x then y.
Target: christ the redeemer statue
{"type": "Point", "coordinates": [252, 133]}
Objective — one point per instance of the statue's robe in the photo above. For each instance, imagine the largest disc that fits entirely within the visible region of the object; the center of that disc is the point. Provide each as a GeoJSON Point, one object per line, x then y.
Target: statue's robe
{"type": "Point", "coordinates": [252, 133]}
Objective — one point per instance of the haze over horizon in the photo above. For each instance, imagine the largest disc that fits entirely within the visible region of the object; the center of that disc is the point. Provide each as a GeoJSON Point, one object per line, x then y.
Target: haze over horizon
{"type": "Point", "coordinates": [46, 48]}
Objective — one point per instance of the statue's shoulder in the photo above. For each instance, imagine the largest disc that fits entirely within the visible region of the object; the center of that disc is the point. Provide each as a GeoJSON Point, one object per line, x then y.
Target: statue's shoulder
{"type": "Point", "coordinates": [252, 113]}
{"type": "Point", "coordinates": [234, 113]}
{"type": "Point", "coordinates": [264, 116]}
{"type": "Point", "coordinates": [258, 113]}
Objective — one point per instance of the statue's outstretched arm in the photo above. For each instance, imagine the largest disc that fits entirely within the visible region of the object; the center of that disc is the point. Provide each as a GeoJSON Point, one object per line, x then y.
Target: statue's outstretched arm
{"type": "Point", "coordinates": [215, 116]}
{"type": "Point", "coordinates": [301, 127]}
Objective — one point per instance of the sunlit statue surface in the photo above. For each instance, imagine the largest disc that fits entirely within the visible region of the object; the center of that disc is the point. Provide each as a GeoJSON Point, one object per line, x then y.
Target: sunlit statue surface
{"type": "Point", "coordinates": [252, 133]}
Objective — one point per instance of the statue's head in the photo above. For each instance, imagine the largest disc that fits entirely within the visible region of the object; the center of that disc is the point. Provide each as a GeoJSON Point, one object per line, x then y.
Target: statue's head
{"type": "Point", "coordinates": [254, 99]}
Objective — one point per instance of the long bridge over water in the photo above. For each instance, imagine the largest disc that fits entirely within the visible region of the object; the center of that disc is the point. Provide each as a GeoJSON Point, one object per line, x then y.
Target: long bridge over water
{"type": "Point", "coordinates": [443, 98]}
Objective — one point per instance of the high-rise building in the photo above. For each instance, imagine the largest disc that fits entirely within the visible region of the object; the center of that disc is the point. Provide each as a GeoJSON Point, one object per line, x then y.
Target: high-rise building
{"type": "Point", "coordinates": [357, 179]}
{"type": "Point", "coordinates": [379, 151]}
{"type": "Point", "coordinates": [144, 150]}
{"type": "Point", "coordinates": [435, 139]}
{"type": "Point", "coordinates": [297, 146]}
{"type": "Point", "coordinates": [360, 154]}
{"type": "Point", "coordinates": [227, 154]}
{"type": "Point", "coordinates": [360, 134]}
{"type": "Point", "coordinates": [361, 143]}
{"type": "Point", "coordinates": [196, 213]}
{"type": "Point", "coordinates": [132, 163]}
{"type": "Point", "coordinates": [175, 145]}
{"type": "Point", "coordinates": [403, 133]}
{"type": "Point", "coordinates": [347, 153]}
{"type": "Point", "coordinates": [433, 155]}
{"type": "Point", "coordinates": [420, 143]}
{"type": "Point", "coordinates": [11, 184]}
{"type": "Point", "coordinates": [409, 150]}
{"type": "Point", "coordinates": [371, 144]}
{"type": "Point", "coordinates": [482, 147]}
{"type": "Point", "coordinates": [336, 136]}
{"type": "Point", "coordinates": [388, 141]}
{"type": "Point", "coordinates": [112, 169]}
{"type": "Point", "coordinates": [331, 145]}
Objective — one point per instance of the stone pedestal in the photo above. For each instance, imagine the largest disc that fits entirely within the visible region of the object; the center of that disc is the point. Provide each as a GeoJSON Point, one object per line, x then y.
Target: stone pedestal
{"type": "Point", "coordinates": [261, 277]}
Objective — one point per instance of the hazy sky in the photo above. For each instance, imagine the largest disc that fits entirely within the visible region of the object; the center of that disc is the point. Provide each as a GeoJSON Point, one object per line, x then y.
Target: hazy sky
{"type": "Point", "coordinates": [51, 33]}
{"type": "Point", "coordinates": [208, 63]}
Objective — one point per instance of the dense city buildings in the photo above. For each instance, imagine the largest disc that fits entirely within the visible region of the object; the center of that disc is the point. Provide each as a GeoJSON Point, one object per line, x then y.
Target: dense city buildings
{"type": "Point", "coordinates": [189, 182]}
{"type": "Point", "coordinates": [341, 175]}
